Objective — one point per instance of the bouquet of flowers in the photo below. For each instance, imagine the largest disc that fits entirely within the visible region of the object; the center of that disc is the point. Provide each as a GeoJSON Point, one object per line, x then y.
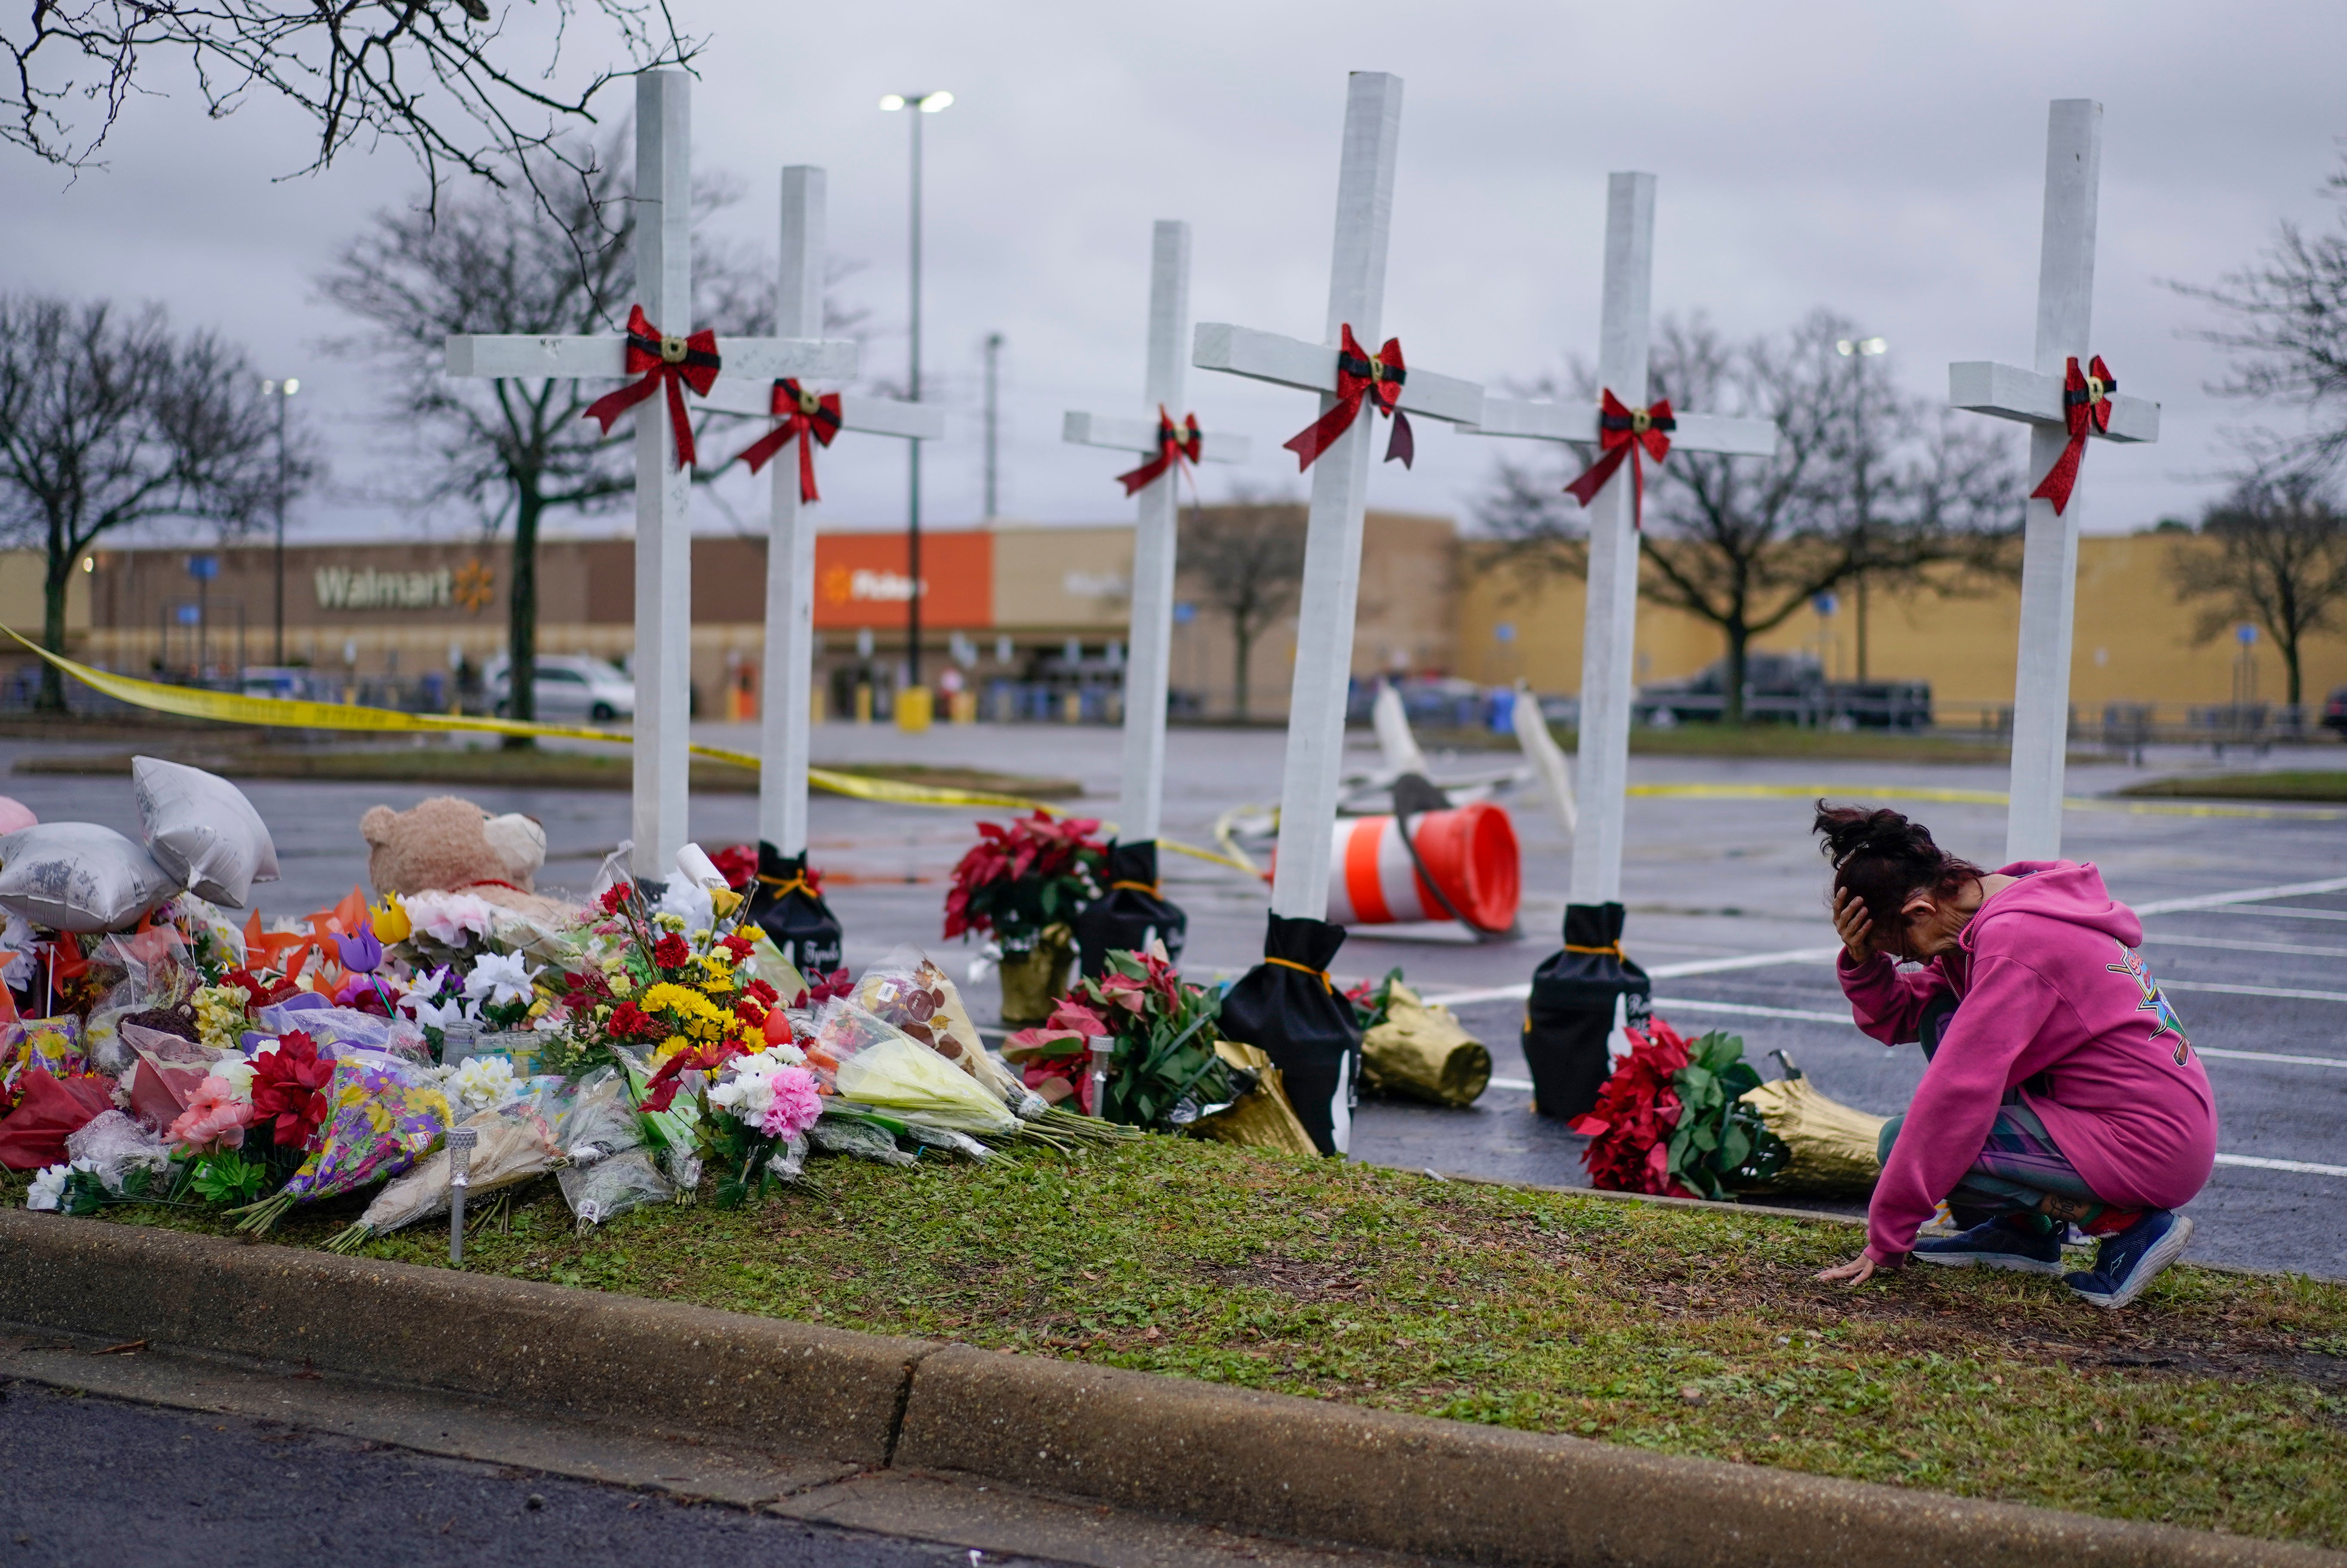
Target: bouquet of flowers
{"type": "Point", "coordinates": [1164, 1072]}
{"type": "Point", "coordinates": [1023, 883]}
{"type": "Point", "coordinates": [1673, 1120]}
{"type": "Point", "coordinates": [651, 987]}
{"type": "Point", "coordinates": [370, 1118]}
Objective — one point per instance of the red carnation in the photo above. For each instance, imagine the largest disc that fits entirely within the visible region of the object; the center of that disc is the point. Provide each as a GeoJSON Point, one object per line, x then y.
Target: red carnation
{"type": "Point", "coordinates": [739, 946]}
{"type": "Point", "coordinates": [672, 952]}
{"type": "Point", "coordinates": [761, 991]}
{"type": "Point", "coordinates": [750, 1011]}
{"type": "Point", "coordinates": [614, 896]}
{"type": "Point", "coordinates": [630, 1021]}
{"type": "Point", "coordinates": [738, 863]}
{"type": "Point", "coordinates": [289, 1084]}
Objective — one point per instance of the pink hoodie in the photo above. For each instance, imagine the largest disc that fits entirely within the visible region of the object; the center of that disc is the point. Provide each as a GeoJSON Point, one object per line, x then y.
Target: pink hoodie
{"type": "Point", "coordinates": [2050, 982]}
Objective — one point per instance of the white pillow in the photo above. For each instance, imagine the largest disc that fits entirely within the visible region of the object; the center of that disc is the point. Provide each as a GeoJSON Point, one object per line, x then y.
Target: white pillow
{"type": "Point", "coordinates": [202, 831]}
{"type": "Point", "coordinates": [79, 876]}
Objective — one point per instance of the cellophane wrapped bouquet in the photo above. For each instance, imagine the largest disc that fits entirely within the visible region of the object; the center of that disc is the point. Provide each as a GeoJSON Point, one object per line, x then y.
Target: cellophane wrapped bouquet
{"type": "Point", "coordinates": [1673, 1120]}
{"type": "Point", "coordinates": [1164, 1072]}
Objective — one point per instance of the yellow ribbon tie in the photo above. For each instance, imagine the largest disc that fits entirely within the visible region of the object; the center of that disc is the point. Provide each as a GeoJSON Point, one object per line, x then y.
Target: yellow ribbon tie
{"type": "Point", "coordinates": [1320, 975]}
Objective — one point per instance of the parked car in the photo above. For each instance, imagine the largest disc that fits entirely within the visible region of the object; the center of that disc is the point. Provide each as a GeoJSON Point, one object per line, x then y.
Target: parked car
{"type": "Point", "coordinates": [2334, 713]}
{"type": "Point", "coordinates": [568, 686]}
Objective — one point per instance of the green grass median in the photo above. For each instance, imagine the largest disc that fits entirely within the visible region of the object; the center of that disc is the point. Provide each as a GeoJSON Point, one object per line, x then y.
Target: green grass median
{"type": "Point", "coordinates": [2218, 1402]}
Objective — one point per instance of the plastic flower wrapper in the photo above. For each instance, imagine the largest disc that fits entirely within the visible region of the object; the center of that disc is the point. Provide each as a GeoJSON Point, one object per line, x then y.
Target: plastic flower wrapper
{"type": "Point", "coordinates": [33, 1135]}
{"type": "Point", "coordinates": [609, 1170]}
{"type": "Point", "coordinates": [868, 1062]}
{"type": "Point", "coordinates": [1165, 1072]}
{"type": "Point", "coordinates": [517, 1144]}
{"type": "Point", "coordinates": [338, 1030]}
{"type": "Point", "coordinates": [382, 1115]}
{"type": "Point", "coordinates": [157, 976]}
{"type": "Point", "coordinates": [215, 944]}
{"type": "Point", "coordinates": [909, 990]}
{"type": "Point", "coordinates": [51, 1044]}
{"type": "Point", "coordinates": [128, 1159]}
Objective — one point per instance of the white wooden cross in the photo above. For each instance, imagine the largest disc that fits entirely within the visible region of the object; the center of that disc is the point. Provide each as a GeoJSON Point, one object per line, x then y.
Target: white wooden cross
{"type": "Point", "coordinates": [787, 682]}
{"type": "Point", "coordinates": [1610, 626]}
{"type": "Point", "coordinates": [663, 245]}
{"type": "Point", "coordinates": [2049, 562]}
{"type": "Point", "coordinates": [1140, 802]}
{"type": "Point", "coordinates": [1332, 549]}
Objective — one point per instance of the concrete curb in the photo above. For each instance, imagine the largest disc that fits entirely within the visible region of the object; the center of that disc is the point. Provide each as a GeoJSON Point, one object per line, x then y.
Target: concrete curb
{"type": "Point", "coordinates": [1258, 1462]}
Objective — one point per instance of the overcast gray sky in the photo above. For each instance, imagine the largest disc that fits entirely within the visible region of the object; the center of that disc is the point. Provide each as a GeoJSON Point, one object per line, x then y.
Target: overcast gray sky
{"type": "Point", "coordinates": [1884, 160]}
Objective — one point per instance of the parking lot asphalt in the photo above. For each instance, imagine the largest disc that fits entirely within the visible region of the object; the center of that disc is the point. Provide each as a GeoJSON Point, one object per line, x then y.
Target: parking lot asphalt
{"type": "Point", "coordinates": [2261, 983]}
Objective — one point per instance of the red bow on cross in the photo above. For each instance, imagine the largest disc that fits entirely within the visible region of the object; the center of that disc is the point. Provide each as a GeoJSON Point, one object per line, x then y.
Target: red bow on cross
{"type": "Point", "coordinates": [673, 362]}
{"type": "Point", "coordinates": [802, 413]}
{"type": "Point", "coordinates": [2086, 404]}
{"type": "Point", "coordinates": [1378, 376]}
{"type": "Point", "coordinates": [1174, 443]}
{"type": "Point", "coordinates": [1626, 432]}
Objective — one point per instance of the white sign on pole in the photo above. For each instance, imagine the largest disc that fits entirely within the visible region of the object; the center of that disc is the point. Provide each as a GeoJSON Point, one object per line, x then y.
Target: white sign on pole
{"type": "Point", "coordinates": [1340, 477]}
{"type": "Point", "coordinates": [2065, 399]}
{"type": "Point", "coordinates": [1610, 628]}
{"type": "Point", "coordinates": [663, 240]}
{"type": "Point", "coordinates": [786, 694]}
{"type": "Point", "coordinates": [1167, 445]}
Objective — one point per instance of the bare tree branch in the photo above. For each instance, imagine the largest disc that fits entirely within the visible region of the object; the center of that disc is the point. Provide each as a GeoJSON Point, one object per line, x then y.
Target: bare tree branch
{"type": "Point", "coordinates": [2279, 563]}
{"type": "Point", "coordinates": [1245, 559]}
{"type": "Point", "coordinates": [438, 77]}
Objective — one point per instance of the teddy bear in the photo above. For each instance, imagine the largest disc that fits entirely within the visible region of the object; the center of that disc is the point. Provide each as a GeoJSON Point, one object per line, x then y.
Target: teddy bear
{"type": "Point", "coordinates": [448, 845]}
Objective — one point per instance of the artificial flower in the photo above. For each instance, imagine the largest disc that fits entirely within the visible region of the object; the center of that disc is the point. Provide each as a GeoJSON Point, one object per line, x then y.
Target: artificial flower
{"type": "Point", "coordinates": [235, 1073]}
{"type": "Point", "coordinates": [440, 1015]}
{"type": "Point", "coordinates": [215, 1119]}
{"type": "Point", "coordinates": [483, 1082]}
{"type": "Point", "coordinates": [451, 919]}
{"type": "Point", "coordinates": [391, 922]}
{"type": "Point", "coordinates": [497, 979]}
{"type": "Point", "coordinates": [360, 953]}
{"type": "Point", "coordinates": [289, 1085]}
{"type": "Point", "coordinates": [48, 1189]}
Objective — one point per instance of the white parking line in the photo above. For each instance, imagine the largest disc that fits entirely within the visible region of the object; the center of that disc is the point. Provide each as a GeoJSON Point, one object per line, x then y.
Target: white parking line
{"type": "Point", "coordinates": [1517, 992]}
{"type": "Point", "coordinates": [2293, 913]}
{"type": "Point", "coordinates": [2271, 1056]}
{"type": "Point", "coordinates": [2304, 1167]}
{"type": "Point", "coordinates": [2164, 939]}
{"type": "Point", "coordinates": [2221, 989]}
{"type": "Point", "coordinates": [2242, 895]}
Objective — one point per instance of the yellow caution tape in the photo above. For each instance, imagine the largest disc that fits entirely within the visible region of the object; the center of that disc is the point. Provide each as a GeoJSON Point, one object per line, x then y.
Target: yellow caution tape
{"type": "Point", "coordinates": [282, 712]}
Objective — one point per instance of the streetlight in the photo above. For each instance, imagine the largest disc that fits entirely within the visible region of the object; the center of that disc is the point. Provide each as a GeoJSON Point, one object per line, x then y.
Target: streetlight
{"type": "Point", "coordinates": [281, 390]}
{"type": "Point", "coordinates": [926, 103]}
{"type": "Point", "coordinates": [1858, 351]}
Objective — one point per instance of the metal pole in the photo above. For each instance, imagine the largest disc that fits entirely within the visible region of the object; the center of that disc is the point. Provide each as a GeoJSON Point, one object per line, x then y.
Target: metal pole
{"type": "Point", "coordinates": [993, 421]}
{"type": "Point", "coordinates": [281, 528]}
{"type": "Point", "coordinates": [460, 1177]}
{"type": "Point", "coordinates": [913, 393]}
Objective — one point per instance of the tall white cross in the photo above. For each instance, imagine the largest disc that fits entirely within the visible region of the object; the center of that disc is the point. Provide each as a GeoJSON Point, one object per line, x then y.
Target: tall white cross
{"type": "Point", "coordinates": [663, 244]}
{"type": "Point", "coordinates": [787, 682]}
{"type": "Point", "coordinates": [1140, 802]}
{"type": "Point", "coordinates": [1340, 478]}
{"type": "Point", "coordinates": [1609, 634]}
{"type": "Point", "coordinates": [2049, 562]}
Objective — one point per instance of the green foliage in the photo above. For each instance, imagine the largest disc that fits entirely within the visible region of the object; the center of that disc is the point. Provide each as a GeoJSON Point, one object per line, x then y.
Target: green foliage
{"type": "Point", "coordinates": [1720, 1140]}
{"type": "Point", "coordinates": [225, 1177]}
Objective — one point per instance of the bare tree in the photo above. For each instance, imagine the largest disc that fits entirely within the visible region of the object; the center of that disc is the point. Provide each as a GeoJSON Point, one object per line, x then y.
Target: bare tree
{"type": "Point", "coordinates": [2279, 563]}
{"type": "Point", "coordinates": [2286, 322]}
{"type": "Point", "coordinates": [1246, 558]}
{"type": "Point", "coordinates": [514, 450]}
{"type": "Point", "coordinates": [107, 421]}
{"type": "Point", "coordinates": [443, 79]}
{"type": "Point", "coordinates": [1865, 482]}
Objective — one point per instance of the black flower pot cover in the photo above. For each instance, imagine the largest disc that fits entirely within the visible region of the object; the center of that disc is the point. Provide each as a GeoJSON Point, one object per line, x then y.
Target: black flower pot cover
{"type": "Point", "coordinates": [1571, 1010]}
{"type": "Point", "coordinates": [793, 914]}
{"type": "Point", "coordinates": [1286, 1008]}
{"type": "Point", "coordinates": [1124, 918]}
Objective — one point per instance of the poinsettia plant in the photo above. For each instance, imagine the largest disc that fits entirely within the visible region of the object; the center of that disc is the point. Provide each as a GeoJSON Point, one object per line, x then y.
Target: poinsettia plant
{"type": "Point", "coordinates": [1673, 1120]}
{"type": "Point", "coordinates": [1022, 877]}
{"type": "Point", "coordinates": [1164, 1066]}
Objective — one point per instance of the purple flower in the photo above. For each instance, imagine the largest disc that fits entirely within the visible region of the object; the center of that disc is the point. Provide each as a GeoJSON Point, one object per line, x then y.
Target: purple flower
{"type": "Point", "coordinates": [360, 953]}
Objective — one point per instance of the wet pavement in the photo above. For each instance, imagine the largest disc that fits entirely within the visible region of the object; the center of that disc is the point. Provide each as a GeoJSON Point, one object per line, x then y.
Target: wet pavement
{"type": "Point", "coordinates": [1707, 881]}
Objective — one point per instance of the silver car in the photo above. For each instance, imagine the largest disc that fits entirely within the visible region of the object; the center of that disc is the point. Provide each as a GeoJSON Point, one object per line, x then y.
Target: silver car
{"type": "Point", "coordinates": [568, 686]}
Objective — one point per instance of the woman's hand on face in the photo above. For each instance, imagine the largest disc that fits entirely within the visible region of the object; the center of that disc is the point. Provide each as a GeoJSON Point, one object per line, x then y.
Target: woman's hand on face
{"type": "Point", "coordinates": [1854, 925]}
{"type": "Point", "coordinates": [1854, 1272]}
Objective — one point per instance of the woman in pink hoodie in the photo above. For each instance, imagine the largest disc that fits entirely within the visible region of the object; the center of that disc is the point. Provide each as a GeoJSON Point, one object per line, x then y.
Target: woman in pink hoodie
{"type": "Point", "coordinates": [2060, 1089]}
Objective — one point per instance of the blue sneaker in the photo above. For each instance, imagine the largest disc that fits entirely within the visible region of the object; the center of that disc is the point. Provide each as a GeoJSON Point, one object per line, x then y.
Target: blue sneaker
{"type": "Point", "coordinates": [2129, 1261]}
{"type": "Point", "coordinates": [1995, 1245]}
